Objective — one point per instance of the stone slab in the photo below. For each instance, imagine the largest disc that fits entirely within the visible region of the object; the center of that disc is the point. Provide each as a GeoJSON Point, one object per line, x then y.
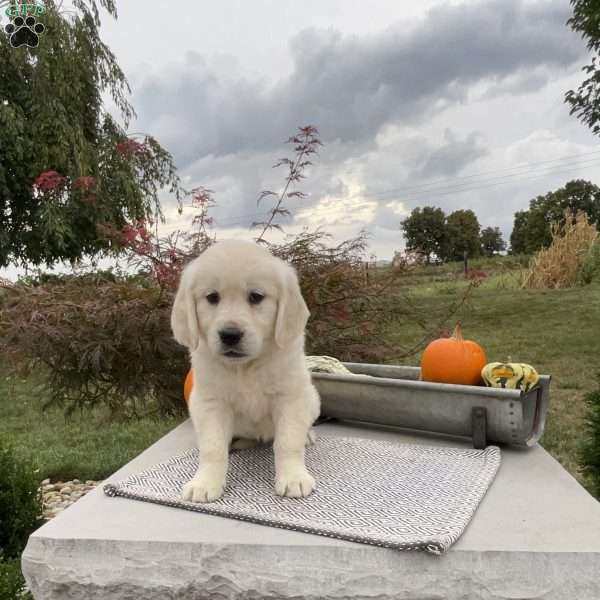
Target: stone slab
{"type": "Point", "coordinates": [535, 535]}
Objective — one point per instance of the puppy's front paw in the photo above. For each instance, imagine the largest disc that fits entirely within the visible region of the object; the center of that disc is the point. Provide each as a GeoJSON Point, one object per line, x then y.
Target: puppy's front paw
{"type": "Point", "coordinates": [295, 484]}
{"type": "Point", "coordinates": [202, 489]}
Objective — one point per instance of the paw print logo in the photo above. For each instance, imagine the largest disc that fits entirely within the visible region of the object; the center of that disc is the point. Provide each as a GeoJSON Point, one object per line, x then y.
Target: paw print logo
{"type": "Point", "coordinates": [24, 32]}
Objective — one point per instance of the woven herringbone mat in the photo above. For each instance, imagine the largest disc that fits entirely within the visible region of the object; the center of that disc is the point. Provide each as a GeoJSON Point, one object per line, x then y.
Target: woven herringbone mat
{"type": "Point", "coordinates": [406, 497]}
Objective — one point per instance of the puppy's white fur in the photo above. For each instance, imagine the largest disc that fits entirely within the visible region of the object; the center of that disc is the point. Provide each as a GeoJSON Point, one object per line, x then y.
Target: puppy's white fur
{"type": "Point", "coordinates": [266, 394]}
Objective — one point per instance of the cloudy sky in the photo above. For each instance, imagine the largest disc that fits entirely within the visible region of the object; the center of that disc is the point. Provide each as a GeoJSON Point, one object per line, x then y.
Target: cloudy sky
{"type": "Point", "coordinates": [443, 103]}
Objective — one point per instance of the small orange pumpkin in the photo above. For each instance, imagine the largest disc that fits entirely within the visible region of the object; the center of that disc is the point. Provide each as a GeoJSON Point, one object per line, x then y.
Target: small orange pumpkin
{"type": "Point", "coordinates": [187, 386]}
{"type": "Point", "coordinates": [453, 360]}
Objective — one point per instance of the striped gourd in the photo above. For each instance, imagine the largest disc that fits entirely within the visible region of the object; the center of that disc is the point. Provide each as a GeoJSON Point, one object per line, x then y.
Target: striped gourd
{"type": "Point", "coordinates": [515, 376]}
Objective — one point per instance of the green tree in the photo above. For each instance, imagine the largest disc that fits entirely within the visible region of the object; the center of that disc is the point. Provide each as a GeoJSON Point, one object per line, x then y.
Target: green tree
{"type": "Point", "coordinates": [585, 101]}
{"type": "Point", "coordinates": [65, 164]}
{"type": "Point", "coordinates": [463, 235]}
{"type": "Point", "coordinates": [532, 231]}
{"type": "Point", "coordinates": [491, 241]}
{"type": "Point", "coordinates": [518, 236]}
{"type": "Point", "coordinates": [425, 232]}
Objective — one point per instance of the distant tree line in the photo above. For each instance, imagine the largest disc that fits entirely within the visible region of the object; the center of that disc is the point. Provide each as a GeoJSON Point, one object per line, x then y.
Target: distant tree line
{"type": "Point", "coordinates": [532, 231]}
{"type": "Point", "coordinates": [431, 233]}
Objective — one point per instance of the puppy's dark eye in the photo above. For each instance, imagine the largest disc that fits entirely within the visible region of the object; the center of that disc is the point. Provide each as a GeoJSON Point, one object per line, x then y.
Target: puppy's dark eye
{"type": "Point", "coordinates": [213, 298]}
{"type": "Point", "coordinates": [255, 297]}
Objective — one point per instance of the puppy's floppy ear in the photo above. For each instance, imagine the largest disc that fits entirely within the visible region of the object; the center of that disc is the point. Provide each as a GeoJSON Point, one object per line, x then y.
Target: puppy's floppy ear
{"type": "Point", "coordinates": [184, 319]}
{"type": "Point", "coordinates": [292, 312]}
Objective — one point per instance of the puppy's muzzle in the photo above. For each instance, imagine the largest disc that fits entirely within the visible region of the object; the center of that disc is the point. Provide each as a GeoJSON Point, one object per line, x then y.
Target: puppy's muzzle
{"type": "Point", "coordinates": [230, 336]}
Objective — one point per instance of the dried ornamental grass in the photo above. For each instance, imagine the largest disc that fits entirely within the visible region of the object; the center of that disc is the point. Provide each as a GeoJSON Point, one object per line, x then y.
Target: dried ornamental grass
{"type": "Point", "coordinates": [558, 265]}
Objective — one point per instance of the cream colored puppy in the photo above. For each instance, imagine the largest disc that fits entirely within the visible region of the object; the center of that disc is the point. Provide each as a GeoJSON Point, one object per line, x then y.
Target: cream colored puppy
{"type": "Point", "coordinates": [240, 312]}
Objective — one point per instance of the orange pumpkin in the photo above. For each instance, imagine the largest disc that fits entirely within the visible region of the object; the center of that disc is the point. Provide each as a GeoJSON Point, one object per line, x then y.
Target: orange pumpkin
{"type": "Point", "coordinates": [453, 360]}
{"type": "Point", "coordinates": [187, 386]}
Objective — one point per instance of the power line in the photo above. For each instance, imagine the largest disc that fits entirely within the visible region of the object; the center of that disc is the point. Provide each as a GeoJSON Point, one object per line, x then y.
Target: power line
{"type": "Point", "coordinates": [456, 183]}
{"type": "Point", "coordinates": [518, 167]}
{"type": "Point", "coordinates": [468, 186]}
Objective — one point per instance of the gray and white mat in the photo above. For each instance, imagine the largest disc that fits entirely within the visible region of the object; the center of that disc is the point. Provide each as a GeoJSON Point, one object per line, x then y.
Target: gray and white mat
{"type": "Point", "coordinates": [400, 496]}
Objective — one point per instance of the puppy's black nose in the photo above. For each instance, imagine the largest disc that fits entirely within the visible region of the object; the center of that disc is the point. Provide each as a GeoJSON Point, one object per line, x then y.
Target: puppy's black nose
{"type": "Point", "coordinates": [230, 336]}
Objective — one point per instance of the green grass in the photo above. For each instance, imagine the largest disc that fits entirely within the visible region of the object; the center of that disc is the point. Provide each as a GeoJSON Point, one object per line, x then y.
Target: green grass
{"type": "Point", "coordinates": [84, 446]}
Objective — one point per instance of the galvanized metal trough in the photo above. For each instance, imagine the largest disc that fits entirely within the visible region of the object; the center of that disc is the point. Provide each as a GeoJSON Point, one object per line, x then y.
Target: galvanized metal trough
{"type": "Point", "coordinates": [393, 395]}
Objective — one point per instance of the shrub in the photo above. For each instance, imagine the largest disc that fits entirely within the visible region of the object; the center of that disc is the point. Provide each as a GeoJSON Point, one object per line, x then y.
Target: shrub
{"type": "Point", "coordinates": [20, 502]}
{"type": "Point", "coordinates": [12, 583]}
{"type": "Point", "coordinates": [99, 341]}
{"type": "Point", "coordinates": [590, 448]}
{"type": "Point", "coordinates": [559, 265]}
{"type": "Point", "coordinates": [349, 311]}
{"type": "Point", "coordinates": [590, 265]}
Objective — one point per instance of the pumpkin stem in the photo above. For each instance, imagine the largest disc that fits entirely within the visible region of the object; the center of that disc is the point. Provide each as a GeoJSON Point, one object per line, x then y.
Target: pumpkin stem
{"type": "Point", "coordinates": [457, 333]}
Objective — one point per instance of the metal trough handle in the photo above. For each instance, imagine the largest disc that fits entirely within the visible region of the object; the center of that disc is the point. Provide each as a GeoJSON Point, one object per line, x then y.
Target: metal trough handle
{"type": "Point", "coordinates": [479, 416]}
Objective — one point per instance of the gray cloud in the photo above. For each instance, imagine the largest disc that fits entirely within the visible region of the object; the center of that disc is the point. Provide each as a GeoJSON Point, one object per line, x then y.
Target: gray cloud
{"type": "Point", "coordinates": [351, 86]}
{"type": "Point", "coordinates": [381, 102]}
{"type": "Point", "coordinates": [523, 82]}
{"type": "Point", "coordinates": [453, 156]}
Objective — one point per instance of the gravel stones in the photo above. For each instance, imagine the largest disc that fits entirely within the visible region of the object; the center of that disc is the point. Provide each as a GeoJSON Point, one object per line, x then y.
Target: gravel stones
{"type": "Point", "coordinates": [59, 495]}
